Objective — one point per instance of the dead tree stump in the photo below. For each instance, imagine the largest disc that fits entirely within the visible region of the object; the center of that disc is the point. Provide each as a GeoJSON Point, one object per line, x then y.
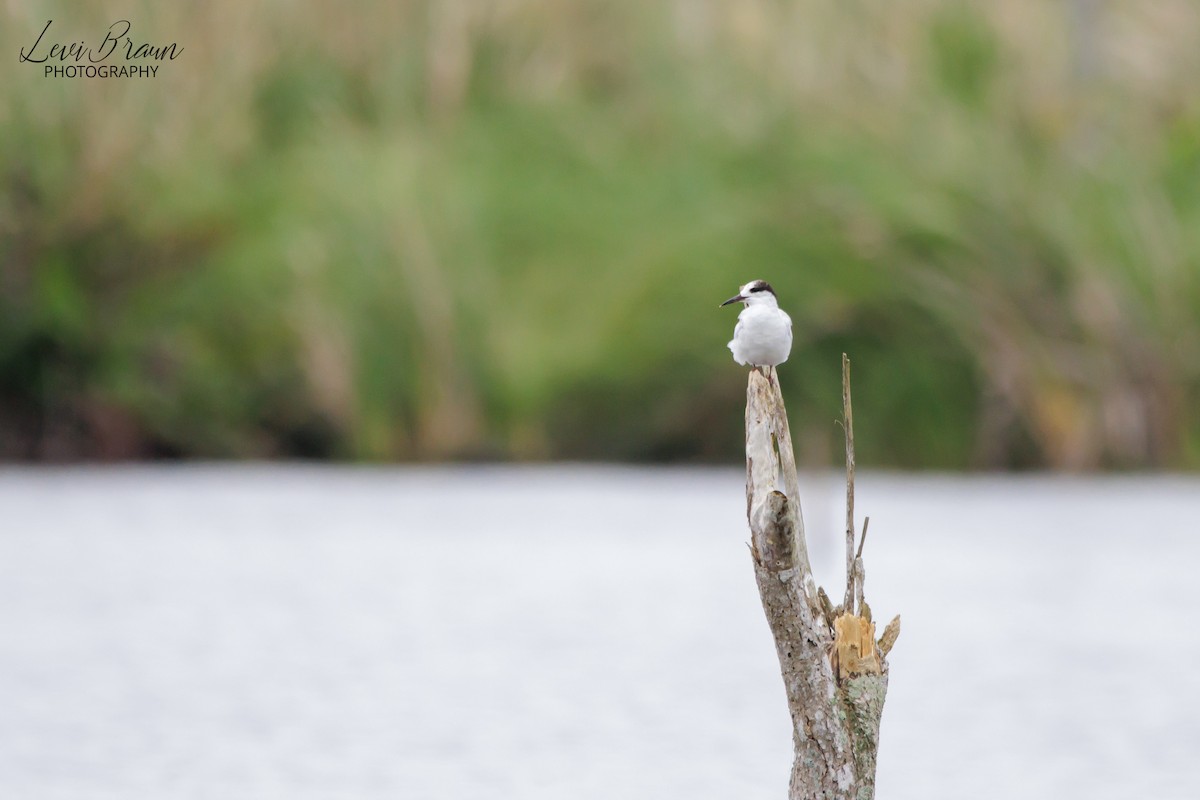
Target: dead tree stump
{"type": "Point", "coordinates": [834, 672]}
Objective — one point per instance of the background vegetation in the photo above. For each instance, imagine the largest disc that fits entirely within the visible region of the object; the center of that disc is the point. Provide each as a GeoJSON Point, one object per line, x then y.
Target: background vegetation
{"type": "Point", "coordinates": [427, 230]}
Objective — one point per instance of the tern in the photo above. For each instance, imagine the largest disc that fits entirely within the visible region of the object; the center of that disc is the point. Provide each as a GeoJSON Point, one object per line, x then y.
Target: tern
{"type": "Point", "coordinates": [763, 336]}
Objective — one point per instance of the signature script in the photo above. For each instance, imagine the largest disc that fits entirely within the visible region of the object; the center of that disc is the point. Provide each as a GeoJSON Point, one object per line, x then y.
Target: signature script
{"type": "Point", "coordinates": [116, 36]}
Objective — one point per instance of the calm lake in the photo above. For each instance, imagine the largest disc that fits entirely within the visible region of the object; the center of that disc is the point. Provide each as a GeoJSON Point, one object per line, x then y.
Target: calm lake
{"type": "Point", "coordinates": [575, 632]}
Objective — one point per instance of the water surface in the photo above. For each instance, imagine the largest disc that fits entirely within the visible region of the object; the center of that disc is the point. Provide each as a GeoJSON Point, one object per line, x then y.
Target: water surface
{"type": "Point", "coordinates": [293, 632]}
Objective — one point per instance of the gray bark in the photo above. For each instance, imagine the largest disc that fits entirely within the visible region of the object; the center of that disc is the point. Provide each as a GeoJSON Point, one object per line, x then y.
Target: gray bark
{"type": "Point", "coordinates": [834, 674]}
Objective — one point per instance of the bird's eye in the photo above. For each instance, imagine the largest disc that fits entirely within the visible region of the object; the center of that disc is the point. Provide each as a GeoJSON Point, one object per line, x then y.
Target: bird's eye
{"type": "Point", "coordinates": [756, 289]}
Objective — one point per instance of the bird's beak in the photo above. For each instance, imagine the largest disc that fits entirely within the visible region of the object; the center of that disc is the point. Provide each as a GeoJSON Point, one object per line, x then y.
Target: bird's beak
{"type": "Point", "coordinates": [736, 299]}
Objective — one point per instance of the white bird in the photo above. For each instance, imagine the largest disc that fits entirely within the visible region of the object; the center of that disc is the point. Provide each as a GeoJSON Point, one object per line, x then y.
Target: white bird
{"type": "Point", "coordinates": [763, 336]}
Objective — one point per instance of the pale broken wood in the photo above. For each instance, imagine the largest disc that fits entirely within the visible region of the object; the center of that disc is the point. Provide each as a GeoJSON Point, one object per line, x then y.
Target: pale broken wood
{"type": "Point", "coordinates": [854, 650]}
{"type": "Point", "coordinates": [835, 722]}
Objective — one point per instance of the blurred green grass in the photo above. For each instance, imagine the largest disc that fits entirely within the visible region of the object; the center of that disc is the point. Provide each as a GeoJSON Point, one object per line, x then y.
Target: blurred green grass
{"type": "Point", "coordinates": [428, 230]}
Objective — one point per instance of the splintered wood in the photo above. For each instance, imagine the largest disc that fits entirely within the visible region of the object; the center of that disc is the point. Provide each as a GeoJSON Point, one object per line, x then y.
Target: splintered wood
{"type": "Point", "coordinates": [854, 651]}
{"type": "Point", "coordinates": [890, 634]}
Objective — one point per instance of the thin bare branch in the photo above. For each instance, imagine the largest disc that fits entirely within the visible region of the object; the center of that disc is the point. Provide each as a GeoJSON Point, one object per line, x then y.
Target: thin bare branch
{"type": "Point", "coordinates": [863, 539]}
{"type": "Point", "coordinates": [848, 426]}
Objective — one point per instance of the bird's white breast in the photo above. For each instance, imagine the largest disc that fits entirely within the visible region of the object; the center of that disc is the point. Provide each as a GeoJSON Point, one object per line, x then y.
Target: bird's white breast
{"type": "Point", "coordinates": [763, 336]}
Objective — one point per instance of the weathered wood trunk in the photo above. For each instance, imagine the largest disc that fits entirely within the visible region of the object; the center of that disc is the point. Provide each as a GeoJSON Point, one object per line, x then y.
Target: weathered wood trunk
{"type": "Point", "coordinates": [834, 673]}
